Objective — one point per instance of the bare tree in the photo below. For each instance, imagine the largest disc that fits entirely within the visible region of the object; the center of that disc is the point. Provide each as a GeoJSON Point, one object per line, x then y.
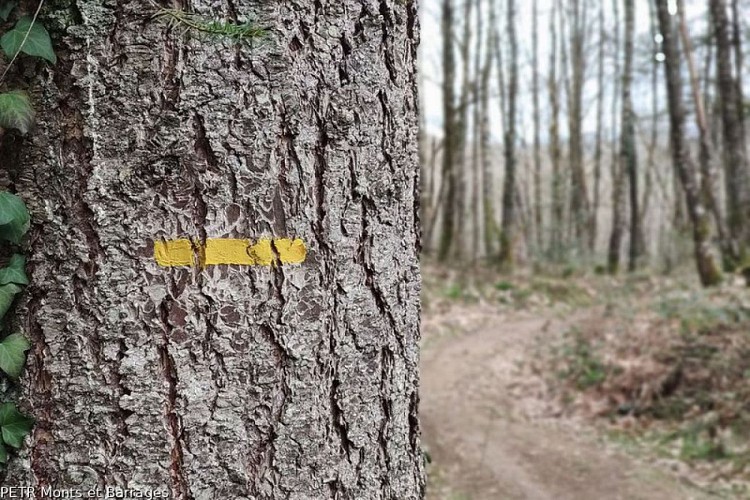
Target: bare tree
{"type": "Point", "coordinates": [598, 153]}
{"type": "Point", "coordinates": [476, 157]}
{"type": "Point", "coordinates": [508, 228]}
{"type": "Point", "coordinates": [705, 156]}
{"type": "Point", "coordinates": [736, 165]}
{"type": "Point", "coordinates": [628, 147]}
{"type": "Point", "coordinates": [618, 172]}
{"type": "Point", "coordinates": [490, 227]}
{"type": "Point", "coordinates": [538, 217]}
{"type": "Point", "coordinates": [579, 202]}
{"type": "Point", "coordinates": [451, 135]}
{"type": "Point", "coordinates": [708, 270]}
{"type": "Point", "coordinates": [556, 217]}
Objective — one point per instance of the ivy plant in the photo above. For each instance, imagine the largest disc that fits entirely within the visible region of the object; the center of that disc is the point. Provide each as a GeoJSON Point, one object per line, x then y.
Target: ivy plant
{"type": "Point", "coordinates": [22, 36]}
{"type": "Point", "coordinates": [14, 222]}
{"type": "Point", "coordinates": [28, 37]}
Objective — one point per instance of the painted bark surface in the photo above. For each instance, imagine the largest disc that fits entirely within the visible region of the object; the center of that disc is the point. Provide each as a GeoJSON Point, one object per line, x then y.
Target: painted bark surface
{"type": "Point", "coordinates": [294, 382]}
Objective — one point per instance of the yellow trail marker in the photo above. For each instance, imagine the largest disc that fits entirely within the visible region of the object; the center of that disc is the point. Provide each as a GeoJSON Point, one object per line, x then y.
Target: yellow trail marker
{"type": "Point", "coordinates": [291, 251]}
{"type": "Point", "coordinates": [229, 251]}
{"type": "Point", "coordinates": [174, 253]}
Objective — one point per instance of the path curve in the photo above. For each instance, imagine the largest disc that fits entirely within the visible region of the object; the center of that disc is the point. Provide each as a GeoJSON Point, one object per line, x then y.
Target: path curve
{"type": "Point", "coordinates": [484, 424]}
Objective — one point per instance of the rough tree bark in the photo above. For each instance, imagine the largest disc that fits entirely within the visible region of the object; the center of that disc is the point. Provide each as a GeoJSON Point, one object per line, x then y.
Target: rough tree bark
{"type": "Point", "coordinates": [293, 382]}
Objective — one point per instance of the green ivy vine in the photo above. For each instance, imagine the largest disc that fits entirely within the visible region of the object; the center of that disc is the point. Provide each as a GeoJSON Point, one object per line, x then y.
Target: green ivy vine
{"type": "Point", "coordinates": [28, 37]}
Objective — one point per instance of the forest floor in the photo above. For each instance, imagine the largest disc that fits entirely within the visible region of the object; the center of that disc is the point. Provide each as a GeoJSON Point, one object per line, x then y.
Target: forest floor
{"type": "Point", "coordinates": [541, 388]}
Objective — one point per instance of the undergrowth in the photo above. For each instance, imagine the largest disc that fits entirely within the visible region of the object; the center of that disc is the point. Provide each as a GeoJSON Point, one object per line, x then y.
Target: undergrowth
{"type": "Point", "coordinates": [675, 374]}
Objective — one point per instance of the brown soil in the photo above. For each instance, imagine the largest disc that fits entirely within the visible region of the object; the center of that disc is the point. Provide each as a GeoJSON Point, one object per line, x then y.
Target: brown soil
{"type": "Point", "coordinates": [490, 431]}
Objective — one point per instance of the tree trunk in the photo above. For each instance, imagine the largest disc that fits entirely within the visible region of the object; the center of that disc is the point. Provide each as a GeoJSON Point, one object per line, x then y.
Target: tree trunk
{"type": "Point", "coordinates": [594, 221]}
{"type": "Point", "coordinates": [579, 203]}
{"type": "Point", "coordinates": [451, 139]}
{"type": "Point", "coordinates": [618, 173]}
{"type": "Point", "coordinates": [476, 157]}
{"type": "Point", "coordinates": [488, 178]}
{"type": "Point", "coordinates": [737, 166]}
{"type": "Point", "coordinates": [508, 228]}
{"type": "Point", "coordinates": [462, 206]}
{"type": "Point", "coordinates": [738, 61]}
{"type": "Point", "coordinates": [556, 217]}
{"type": "Point", "coordinates": [276, 382]}
{"type": "Point", "coordinates": [538, 218]}
{"type": "Point", "coordinates": [708, 270]}
{"type": "Point", "coordinates": [629, 152]}
{"type": "Point", "coordinates": [705, 155]}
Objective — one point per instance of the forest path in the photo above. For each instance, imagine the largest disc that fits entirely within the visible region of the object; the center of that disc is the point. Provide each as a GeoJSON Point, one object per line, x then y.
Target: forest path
{"type": "Point", "coordinates": [489, 432]}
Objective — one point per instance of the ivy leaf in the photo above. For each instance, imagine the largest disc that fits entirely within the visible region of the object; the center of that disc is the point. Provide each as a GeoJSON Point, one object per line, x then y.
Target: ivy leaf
{"type": "Point", "coordinates": [14, 425]}
{"type": "Point", "coordinates": [7, 294]}
{"type": "Point", "coordinates": [38, 42]}
{"type": "Point", "coordinates": [11, 208]}
{"type": "Point", "coordinates": [13, 354]}
{"type": "Point", "coordinates": [14, 217]}
{"type": "Point", "coordinates": [3, 454]}
{"type": "Point", "coordinates": [14, 272]}
{"type": "Point", "coordinates": [6, 7]}
{"type": "Point", "coordinates": [16, 111]}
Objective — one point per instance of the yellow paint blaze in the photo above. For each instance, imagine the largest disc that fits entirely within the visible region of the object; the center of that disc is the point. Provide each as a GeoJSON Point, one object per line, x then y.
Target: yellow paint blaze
{"type": "Point", "coordinates": [174, 253]}
{"type": "Point", "coordinates": [228, 251]}
{"type": "Point", "coordinates": [291, 251]}
{"type": "Point", "coordinates": [262, 253]}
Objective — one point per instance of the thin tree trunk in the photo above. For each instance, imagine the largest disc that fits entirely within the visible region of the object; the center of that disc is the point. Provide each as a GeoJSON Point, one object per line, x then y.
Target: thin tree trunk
{"type": "Point", "coordinates": [287, 381]}
{"type": "Point", "coordinates": [594, 222]}
{"type": "Point", "coordinates": [708, 270]}
{"type": "Point", "coordinates": [508, 228]}
{"type": "Point", "coordinates": [538, 218]}
{"type": "Point", "coordinates": [705, 157]}
{"type": "Point", "coordinates": [490, 227]}
{"type": "Point", "coordinates": [437, 197]}
{"type": "Point", "coordinates": [618, 172]}
{"type": "Point", "coordinates": [738, 61]}
{"type": "Point", "coordinates": [737, 166]}
{"type": "Point", "coordinates": [579, 202]}
{"type": "Point", "coordinates": [568, 228]}
{"type": "Point", "coordinates": [451, 140]}
{"type": "Point", "coordinates": [556, 217]}
{"type": "Point", "coordinates": [651, 165]}
{"type": "Point", "coordinates": [476, 159]}
{"type": "Point", "coordinates": [628, 151]}
{"type": "Point", "coordinates": [463, 206]}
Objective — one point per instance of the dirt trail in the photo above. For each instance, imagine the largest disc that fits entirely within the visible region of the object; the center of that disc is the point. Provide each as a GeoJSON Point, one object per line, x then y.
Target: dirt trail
{"type": "Point", "coordinates": [489, 433]}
